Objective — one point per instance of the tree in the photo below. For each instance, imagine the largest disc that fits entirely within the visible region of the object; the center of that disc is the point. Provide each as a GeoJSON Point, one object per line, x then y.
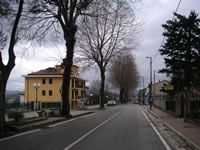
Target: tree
{"type": "Point", "coordinates": [103, 37]}
{"type": "Point", "coordinates": [124, 75]}
{"type": "Point", "coordinates": [182, 54]}
{"type": "Point", "coordinates": [5, 69]}
{"type": "Point", "coordinates": [53, 15]}
{"type": "Point", "coordinates": [95, 87]}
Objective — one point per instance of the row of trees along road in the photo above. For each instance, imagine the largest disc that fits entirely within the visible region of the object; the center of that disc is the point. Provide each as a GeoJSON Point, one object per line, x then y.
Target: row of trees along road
{"type": "Point", "coordinates": [43, 18]}
{"type": "Point", "coordinates": [182, 54]}
{"type": "Point", "coordinates": [107, 35]}
{"type": "Point", "coordinates": [124, 76]}
{"type": "Point", "coordinates": [5, 69]}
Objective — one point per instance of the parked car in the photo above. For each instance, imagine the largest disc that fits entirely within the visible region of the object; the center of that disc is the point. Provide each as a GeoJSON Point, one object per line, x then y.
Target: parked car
{"type": "Point", "coordinates": [111, 103]}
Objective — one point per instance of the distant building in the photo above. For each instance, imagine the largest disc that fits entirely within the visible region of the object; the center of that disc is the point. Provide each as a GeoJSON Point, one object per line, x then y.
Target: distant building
{"type": "Point", "coordinates": [157, 88]}
{"type": "Point", "coordinates": [157, 92]}
{"type": "Point", "coordinates": [22, 97]}
{"type": "Point", "coordinates": [49, 93]}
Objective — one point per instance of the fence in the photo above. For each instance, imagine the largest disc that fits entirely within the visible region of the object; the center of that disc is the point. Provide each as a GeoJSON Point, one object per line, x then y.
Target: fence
{"type": "Point", "coordinates": [54, 105]}
{"type": "Point", "coordinates": [171, 106]}
{"type": "Point", "coordinates": [195, 109]}
{"type": "Point", "coordinates": [18, 107]}
{"type": "Point", "coordinates": [13, 107]}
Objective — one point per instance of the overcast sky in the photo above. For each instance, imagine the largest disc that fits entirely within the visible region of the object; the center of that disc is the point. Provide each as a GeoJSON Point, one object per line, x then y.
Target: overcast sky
{"type": "Point", "coordinates": [153, 13]}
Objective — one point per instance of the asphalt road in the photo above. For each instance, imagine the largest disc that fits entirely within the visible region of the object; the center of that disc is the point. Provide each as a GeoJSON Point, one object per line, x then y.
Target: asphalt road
{"type": "Point", "coordinates": [122, 127]}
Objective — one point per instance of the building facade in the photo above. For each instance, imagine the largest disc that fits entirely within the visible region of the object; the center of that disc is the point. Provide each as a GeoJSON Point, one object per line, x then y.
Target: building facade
{"type": "Point", "coordinates": [43, 88]}
{"type": "Point", "coordinates": [157, 94]}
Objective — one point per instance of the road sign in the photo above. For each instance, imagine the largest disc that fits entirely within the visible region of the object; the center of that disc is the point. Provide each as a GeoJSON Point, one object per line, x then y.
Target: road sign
{"type": "Point", "coordinates": [168, 87]}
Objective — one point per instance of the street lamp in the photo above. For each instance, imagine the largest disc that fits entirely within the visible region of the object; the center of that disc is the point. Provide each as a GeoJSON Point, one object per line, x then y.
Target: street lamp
{"type": "Point", "coordinates": [36, 86]}
{"type": "Point", "coordinates": [150, 87]}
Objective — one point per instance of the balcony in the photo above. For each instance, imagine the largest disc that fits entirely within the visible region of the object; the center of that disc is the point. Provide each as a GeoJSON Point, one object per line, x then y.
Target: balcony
{"type": "Point", "coordinates": [78, 97]}
{"type": "Point", "coordinates": [77, 86]}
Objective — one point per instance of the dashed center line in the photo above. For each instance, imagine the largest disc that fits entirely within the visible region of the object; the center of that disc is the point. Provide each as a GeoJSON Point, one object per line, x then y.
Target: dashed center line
{"type": "Point", "coordinates": [91, 131]}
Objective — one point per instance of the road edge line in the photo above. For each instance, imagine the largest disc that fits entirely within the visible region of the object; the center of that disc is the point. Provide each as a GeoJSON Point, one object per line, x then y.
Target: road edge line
{"type": "Point", "coordinates": [10, 137]}
{"type": "Point", "coordinates": [91, 131]}
{"type": "Point", "coordinates": [156, 131]}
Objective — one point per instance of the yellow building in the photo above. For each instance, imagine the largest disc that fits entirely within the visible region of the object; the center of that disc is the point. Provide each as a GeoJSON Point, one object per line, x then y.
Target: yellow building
{"type": "Point", "coordinates": [43, 88]}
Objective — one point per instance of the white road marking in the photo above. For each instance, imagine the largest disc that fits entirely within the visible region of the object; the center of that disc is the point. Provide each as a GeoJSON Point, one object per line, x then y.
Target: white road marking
{"type": "Point", "coordinates": [70, 120]}
{"type": "Point", "coordinates": [10, 137]}
{"type": "Point", "coordinates": [154, 128]}
{"type": "Point", "coordinates": [88, 133]}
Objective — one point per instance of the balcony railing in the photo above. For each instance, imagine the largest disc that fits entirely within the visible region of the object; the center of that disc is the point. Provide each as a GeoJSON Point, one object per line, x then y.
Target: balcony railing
{"type": "Point", "coordinates": [77, 97]}
{"type": "Point", "coordinates": [79, 86]}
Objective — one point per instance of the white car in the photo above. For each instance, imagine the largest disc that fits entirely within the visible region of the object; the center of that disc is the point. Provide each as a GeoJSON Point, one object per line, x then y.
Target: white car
{"type": "Point", "coordinates": [111, 103]}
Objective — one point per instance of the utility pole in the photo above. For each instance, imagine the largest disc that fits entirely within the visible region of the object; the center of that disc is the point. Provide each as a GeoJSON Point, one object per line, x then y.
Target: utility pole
{"type": "Point", "coordinates": [143, 90]}
{"type": "Point", "coordinates": [154, 81]}
{"type": "Point", "coordinates": [150, 87]}
{"type": "Point", "coordinates": [36, 86]}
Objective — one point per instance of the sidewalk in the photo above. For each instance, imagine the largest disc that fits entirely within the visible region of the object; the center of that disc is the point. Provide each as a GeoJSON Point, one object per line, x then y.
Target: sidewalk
{"type": "Point", "coordinates": [74, 113]}
{"type": "Point", "coordinates": [188, 130]}
{"type": "Point", "coordinates": [49, 120]}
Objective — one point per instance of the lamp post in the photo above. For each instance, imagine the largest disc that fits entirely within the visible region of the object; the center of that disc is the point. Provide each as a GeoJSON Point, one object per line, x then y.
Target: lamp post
{"type": "Point", "coordinates": [150, 87]}
{"type": "Point", "coordinates": [36, 86]}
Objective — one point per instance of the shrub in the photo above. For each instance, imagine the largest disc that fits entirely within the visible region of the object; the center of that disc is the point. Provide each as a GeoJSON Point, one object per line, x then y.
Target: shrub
{"type": "Point", "coordinates": [16, 116]}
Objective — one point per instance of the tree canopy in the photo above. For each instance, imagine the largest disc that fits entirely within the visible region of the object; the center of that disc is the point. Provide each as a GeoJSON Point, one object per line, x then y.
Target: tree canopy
{"type": "Point", "coordinates": [181, 51]}
{"type": "Point", "coordinates": [124, 75]}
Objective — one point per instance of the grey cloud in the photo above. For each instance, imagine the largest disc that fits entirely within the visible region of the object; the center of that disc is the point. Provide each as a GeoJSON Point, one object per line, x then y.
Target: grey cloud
{"type": "Point", "coordinates": [153, 13]}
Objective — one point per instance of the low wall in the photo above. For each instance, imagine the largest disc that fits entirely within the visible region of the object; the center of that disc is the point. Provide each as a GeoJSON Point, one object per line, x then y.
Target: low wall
{"type": "Point", "coordinates": [160, 102]}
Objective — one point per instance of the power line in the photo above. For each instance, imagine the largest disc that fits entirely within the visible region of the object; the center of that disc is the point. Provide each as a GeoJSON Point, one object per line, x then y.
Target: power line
{"type": "Point", "coordinates": [154, 58]}
{"type": "Point", "coordinates": [164, 37]}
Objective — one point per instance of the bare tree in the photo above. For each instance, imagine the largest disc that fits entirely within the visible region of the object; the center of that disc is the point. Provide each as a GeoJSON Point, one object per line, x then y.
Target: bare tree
{"type": "Point", "coordinates": [5, 69]}
{"type": "Point", "coordinates": [103, 37]}
{"type": "Point", "coordinates": [95, 87]}
{"type": "Point", "coordinates": [124, 75]}
{"type": "Point", "coordinates": [59, 16]}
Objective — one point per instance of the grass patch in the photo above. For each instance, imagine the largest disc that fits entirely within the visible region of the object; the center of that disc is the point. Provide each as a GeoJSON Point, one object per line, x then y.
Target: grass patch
{"type": "Point", "coordinates": [29, 120]}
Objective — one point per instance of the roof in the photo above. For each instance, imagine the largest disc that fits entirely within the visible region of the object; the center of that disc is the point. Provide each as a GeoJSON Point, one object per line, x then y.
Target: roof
{"type": "Point", "coordinates": [51, 72]}
{"type": "Point", "coordinates": [163, 81]}
{"type": "Point", "coordinates": [48, 71]}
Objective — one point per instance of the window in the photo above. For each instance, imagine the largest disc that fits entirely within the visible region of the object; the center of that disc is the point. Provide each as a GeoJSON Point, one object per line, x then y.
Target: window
{"type": "Point", "coordinates": [76, 84]}
{"type": "Point", "coordinates": [43, 92]}
{"type": "Point", "coordinates": [51, 70]}
{"type": "Point", "coordinates": [72, 82]}
{"type": "Point", "coordinates": [50, 92]}
{"type": "Point", "coordinates": [76, 93]}
{"type": "Point", "coordinates": [43, 81]}
{"type": "Point", "coordinates": [72, 94]}
{"type": "Point", "coordinates": [50, 81]}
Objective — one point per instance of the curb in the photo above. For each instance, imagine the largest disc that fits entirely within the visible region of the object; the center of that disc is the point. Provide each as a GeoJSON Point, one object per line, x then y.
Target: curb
{"type": "Point", "coordinates": [194, 122]}
{"type": "Point", "coordinates": [20, 130]}
{"type": "Point", "coordinates": [54, 121]}
{"type": "Point", "coordinates": [154, 115]}
{"type": "Point", "coordinates": [83, 114]}
{"type": "Point", "coordinates": [185, 139]}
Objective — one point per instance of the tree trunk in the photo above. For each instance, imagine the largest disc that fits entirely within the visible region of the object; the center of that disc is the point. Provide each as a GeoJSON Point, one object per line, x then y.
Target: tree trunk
{"type": "Point", "coordinates": [185, 108]}
{"type": "Point", "coordinates": [2, 105]}
{"type": "Point", "coordinates": [6, 70]}
{"type": "Point", "coordinates": [70, 39]}
{"type": "Point", "coordinates": [121, 97]}
{"type": "Point", "coordinates": [66, 90]}
{"type": "Point", "coordinates": [125, 96]}
{"type": "Point", "coordinates": [187, 104]}
{"type": "Point", "coordinates": [102, 88]}
{"type": "Point", "coordinates": [4, 75]}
